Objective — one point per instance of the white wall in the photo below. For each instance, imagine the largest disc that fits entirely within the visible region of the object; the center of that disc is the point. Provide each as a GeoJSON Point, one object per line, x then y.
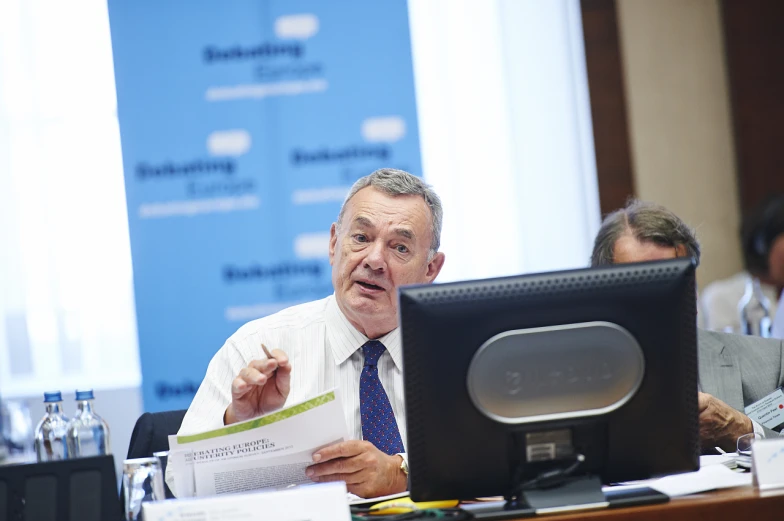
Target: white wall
{"type": "Point", "coordinates": [680, 123]}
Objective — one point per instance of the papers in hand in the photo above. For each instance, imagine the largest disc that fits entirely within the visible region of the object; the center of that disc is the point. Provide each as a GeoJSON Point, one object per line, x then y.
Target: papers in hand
{"type": "Point", "coordinates": [271, 451]}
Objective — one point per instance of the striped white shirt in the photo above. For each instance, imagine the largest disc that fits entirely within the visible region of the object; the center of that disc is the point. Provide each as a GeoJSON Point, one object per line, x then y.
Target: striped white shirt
{"type": "Point", "coordinates": [324, 350]}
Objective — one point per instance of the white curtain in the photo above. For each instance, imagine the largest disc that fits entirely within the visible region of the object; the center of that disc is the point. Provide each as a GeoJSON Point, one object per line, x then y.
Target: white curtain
{"type": "Point", "coordinates": [66, 299]}
{"type": "Point", "coordinates": [505, 127]}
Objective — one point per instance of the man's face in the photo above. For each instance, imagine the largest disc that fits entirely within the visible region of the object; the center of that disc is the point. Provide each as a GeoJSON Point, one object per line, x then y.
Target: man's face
{"type": "Point", "coordinates": [629, 249]}
{"type": "Point", "coordinates": [382, 243]}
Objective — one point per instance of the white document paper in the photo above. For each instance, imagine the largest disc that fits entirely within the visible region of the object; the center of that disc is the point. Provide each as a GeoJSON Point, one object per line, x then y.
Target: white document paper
{"type": "Point", "coordinates": [769, 411]}
{"type": "Point", "coordinates": [354, 500]}
{"type": "Point", "coordinates": [181, 462]}
{"type": "Point", "coordinates": [318, 502]}
{"type": "Point", "coordinates": [731, 460]}
{"type": "Point", "coordinates": [710, 477]}
{"type": "Point", "coordinates": [271, 451]}
{"type": "Point", "coordinates": [714, 473]}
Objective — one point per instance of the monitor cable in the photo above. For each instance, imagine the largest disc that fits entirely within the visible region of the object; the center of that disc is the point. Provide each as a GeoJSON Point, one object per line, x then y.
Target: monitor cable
{"type": "Point", "coordinates": [545, 480]}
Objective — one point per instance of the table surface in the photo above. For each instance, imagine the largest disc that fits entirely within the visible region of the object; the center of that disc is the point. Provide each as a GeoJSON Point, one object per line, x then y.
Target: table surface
{"type": "Point", "coordinates": [733, 504]}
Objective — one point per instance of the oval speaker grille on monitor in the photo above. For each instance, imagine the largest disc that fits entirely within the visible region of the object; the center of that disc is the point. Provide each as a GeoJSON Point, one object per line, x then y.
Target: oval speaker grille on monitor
{"type": "Point", "coordinates": [553, 373]}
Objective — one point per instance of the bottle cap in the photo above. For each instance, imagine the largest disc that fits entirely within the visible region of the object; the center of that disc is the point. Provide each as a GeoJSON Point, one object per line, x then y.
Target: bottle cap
{"type": "Point", "coordinates": [52, 397]}
{"type": "Point", "coordinates": [84, 395]}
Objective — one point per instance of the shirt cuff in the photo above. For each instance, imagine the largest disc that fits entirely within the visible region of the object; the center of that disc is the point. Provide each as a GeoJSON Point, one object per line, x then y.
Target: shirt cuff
{"type": "Point", "coordinates": [405, 456]}
{"type": "Point", "coordinates": [759, 430]}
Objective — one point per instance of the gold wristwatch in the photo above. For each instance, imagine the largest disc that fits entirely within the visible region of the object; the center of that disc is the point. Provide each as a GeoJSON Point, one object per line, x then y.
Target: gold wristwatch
{"type": "Point", "coordinates": [404, 464]}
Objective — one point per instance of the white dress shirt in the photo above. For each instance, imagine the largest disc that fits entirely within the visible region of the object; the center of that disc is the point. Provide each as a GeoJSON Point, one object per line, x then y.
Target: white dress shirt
{"type": "Point", "coordinates": [719, 302]}
{"type": "Point", "coordinates": [778, 321]}
{"type": "Point", "coordinates": [324, 351]}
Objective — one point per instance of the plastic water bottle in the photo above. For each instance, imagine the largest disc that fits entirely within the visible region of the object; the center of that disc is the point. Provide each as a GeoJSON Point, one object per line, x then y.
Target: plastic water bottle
{"type": "Point", "coordinates": [754, 310]}
{"type": "Point", "coordinates": [3, 448]}
{"type": "Point", "coordinates": [50, 444]}
{"type": "Point", "coordinates": [17, 431]}
{"type": "Point", "coordinates": [88, 433]}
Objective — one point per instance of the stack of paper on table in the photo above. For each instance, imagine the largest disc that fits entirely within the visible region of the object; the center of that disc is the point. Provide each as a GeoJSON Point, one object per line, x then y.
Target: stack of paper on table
{"type": "Point", "coordinates": [271, 451]}
{"type": "Point", "coordinates": [714, 474]}
{"type": "Point", "coordinates": [709, 477]}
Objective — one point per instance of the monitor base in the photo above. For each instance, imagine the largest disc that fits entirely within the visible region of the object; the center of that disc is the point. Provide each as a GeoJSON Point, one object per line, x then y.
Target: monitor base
{"type": "Point", "coordinates": [578, 494]}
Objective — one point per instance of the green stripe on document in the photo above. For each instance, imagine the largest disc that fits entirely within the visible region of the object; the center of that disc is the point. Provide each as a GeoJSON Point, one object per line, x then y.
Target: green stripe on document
{"type": "Point", "coordinates": [283, 414]}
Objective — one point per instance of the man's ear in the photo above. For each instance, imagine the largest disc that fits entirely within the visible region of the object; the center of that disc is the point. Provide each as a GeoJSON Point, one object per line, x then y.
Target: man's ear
{"type": "Point", "coordinates": [681, 251]}
{"type": "Point", "coordinates": [333, 241]}
{"type": "Point", "coordinates": [434, 266]}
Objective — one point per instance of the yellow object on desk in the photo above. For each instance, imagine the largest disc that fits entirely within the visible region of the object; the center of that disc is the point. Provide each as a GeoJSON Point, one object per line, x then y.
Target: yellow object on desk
{"type": "Point", "coordinates": [404, 505]}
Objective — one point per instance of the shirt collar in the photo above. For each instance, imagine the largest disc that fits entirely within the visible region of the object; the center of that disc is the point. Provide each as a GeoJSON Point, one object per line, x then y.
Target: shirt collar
{"type": "Point", "coordinates": [345, 340]}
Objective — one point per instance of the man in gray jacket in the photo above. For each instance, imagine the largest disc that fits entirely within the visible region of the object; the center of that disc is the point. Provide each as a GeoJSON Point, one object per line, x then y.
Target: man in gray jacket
{"type": "Point", "coordinates": [734, 371]}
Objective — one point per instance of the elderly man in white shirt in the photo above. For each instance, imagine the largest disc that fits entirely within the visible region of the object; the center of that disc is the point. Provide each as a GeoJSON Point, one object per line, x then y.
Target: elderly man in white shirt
{"type": "Point", "coordinates": [387, 235]}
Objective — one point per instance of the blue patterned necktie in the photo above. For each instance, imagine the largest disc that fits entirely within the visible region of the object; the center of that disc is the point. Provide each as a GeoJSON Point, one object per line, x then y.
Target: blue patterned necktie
{"type": "Point", "coordinates": [378, 421]}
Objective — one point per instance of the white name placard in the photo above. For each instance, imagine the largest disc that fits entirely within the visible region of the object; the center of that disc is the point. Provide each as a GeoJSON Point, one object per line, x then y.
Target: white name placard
{"type": "Point", "coordinates": [322, 502]}
{"type": "Point", "coordinates": [769, 411]}
{"type": "Point", "coordinates": [768, 463]}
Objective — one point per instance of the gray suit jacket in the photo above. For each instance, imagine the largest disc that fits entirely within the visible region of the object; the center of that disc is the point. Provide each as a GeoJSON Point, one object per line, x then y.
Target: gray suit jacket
{"type": "Point", "coordinates": [739, 370]}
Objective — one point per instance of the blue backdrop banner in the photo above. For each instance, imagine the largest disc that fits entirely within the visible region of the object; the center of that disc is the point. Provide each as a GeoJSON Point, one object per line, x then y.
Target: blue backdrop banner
{"type": "Point", "coordinates": [243, 125]}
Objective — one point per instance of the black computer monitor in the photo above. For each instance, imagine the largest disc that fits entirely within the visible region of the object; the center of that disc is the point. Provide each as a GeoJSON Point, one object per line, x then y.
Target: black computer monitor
{"type": "Point", "coordinates": [532, 381]}
{"type": "Point", "coordinates": [81, 489]}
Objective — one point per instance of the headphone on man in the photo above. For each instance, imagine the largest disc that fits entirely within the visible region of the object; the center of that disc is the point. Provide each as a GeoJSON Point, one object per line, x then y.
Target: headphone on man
{"type": "Point", "coordinates": [766, 224]}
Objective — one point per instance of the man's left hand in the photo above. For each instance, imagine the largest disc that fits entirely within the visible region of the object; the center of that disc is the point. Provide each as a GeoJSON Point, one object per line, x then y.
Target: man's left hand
{"type": "Point", "coordinates": [367, 471]}
{"type": "Point", "coordinates": [720, 424]}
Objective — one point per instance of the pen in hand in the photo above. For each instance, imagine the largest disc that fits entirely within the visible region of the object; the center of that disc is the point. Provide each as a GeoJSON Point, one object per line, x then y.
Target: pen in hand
{"type": "Point", "coordinates": [281, 361]}
{"type": "Point", "coordinates": [261, 387]}
{"type": "Point", "coordinates": [266, 351]}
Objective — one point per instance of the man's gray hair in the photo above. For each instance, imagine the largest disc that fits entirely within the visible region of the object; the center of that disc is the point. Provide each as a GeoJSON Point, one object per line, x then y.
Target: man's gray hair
{"type": "Point", "coordinates": [646, 222]}
{"type": "Point", "coordinates": [397, 182]}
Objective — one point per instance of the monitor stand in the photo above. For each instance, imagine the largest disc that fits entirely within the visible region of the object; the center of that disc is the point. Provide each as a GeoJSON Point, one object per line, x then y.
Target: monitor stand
{"type": "Point", "coordinates": [579, 493]}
